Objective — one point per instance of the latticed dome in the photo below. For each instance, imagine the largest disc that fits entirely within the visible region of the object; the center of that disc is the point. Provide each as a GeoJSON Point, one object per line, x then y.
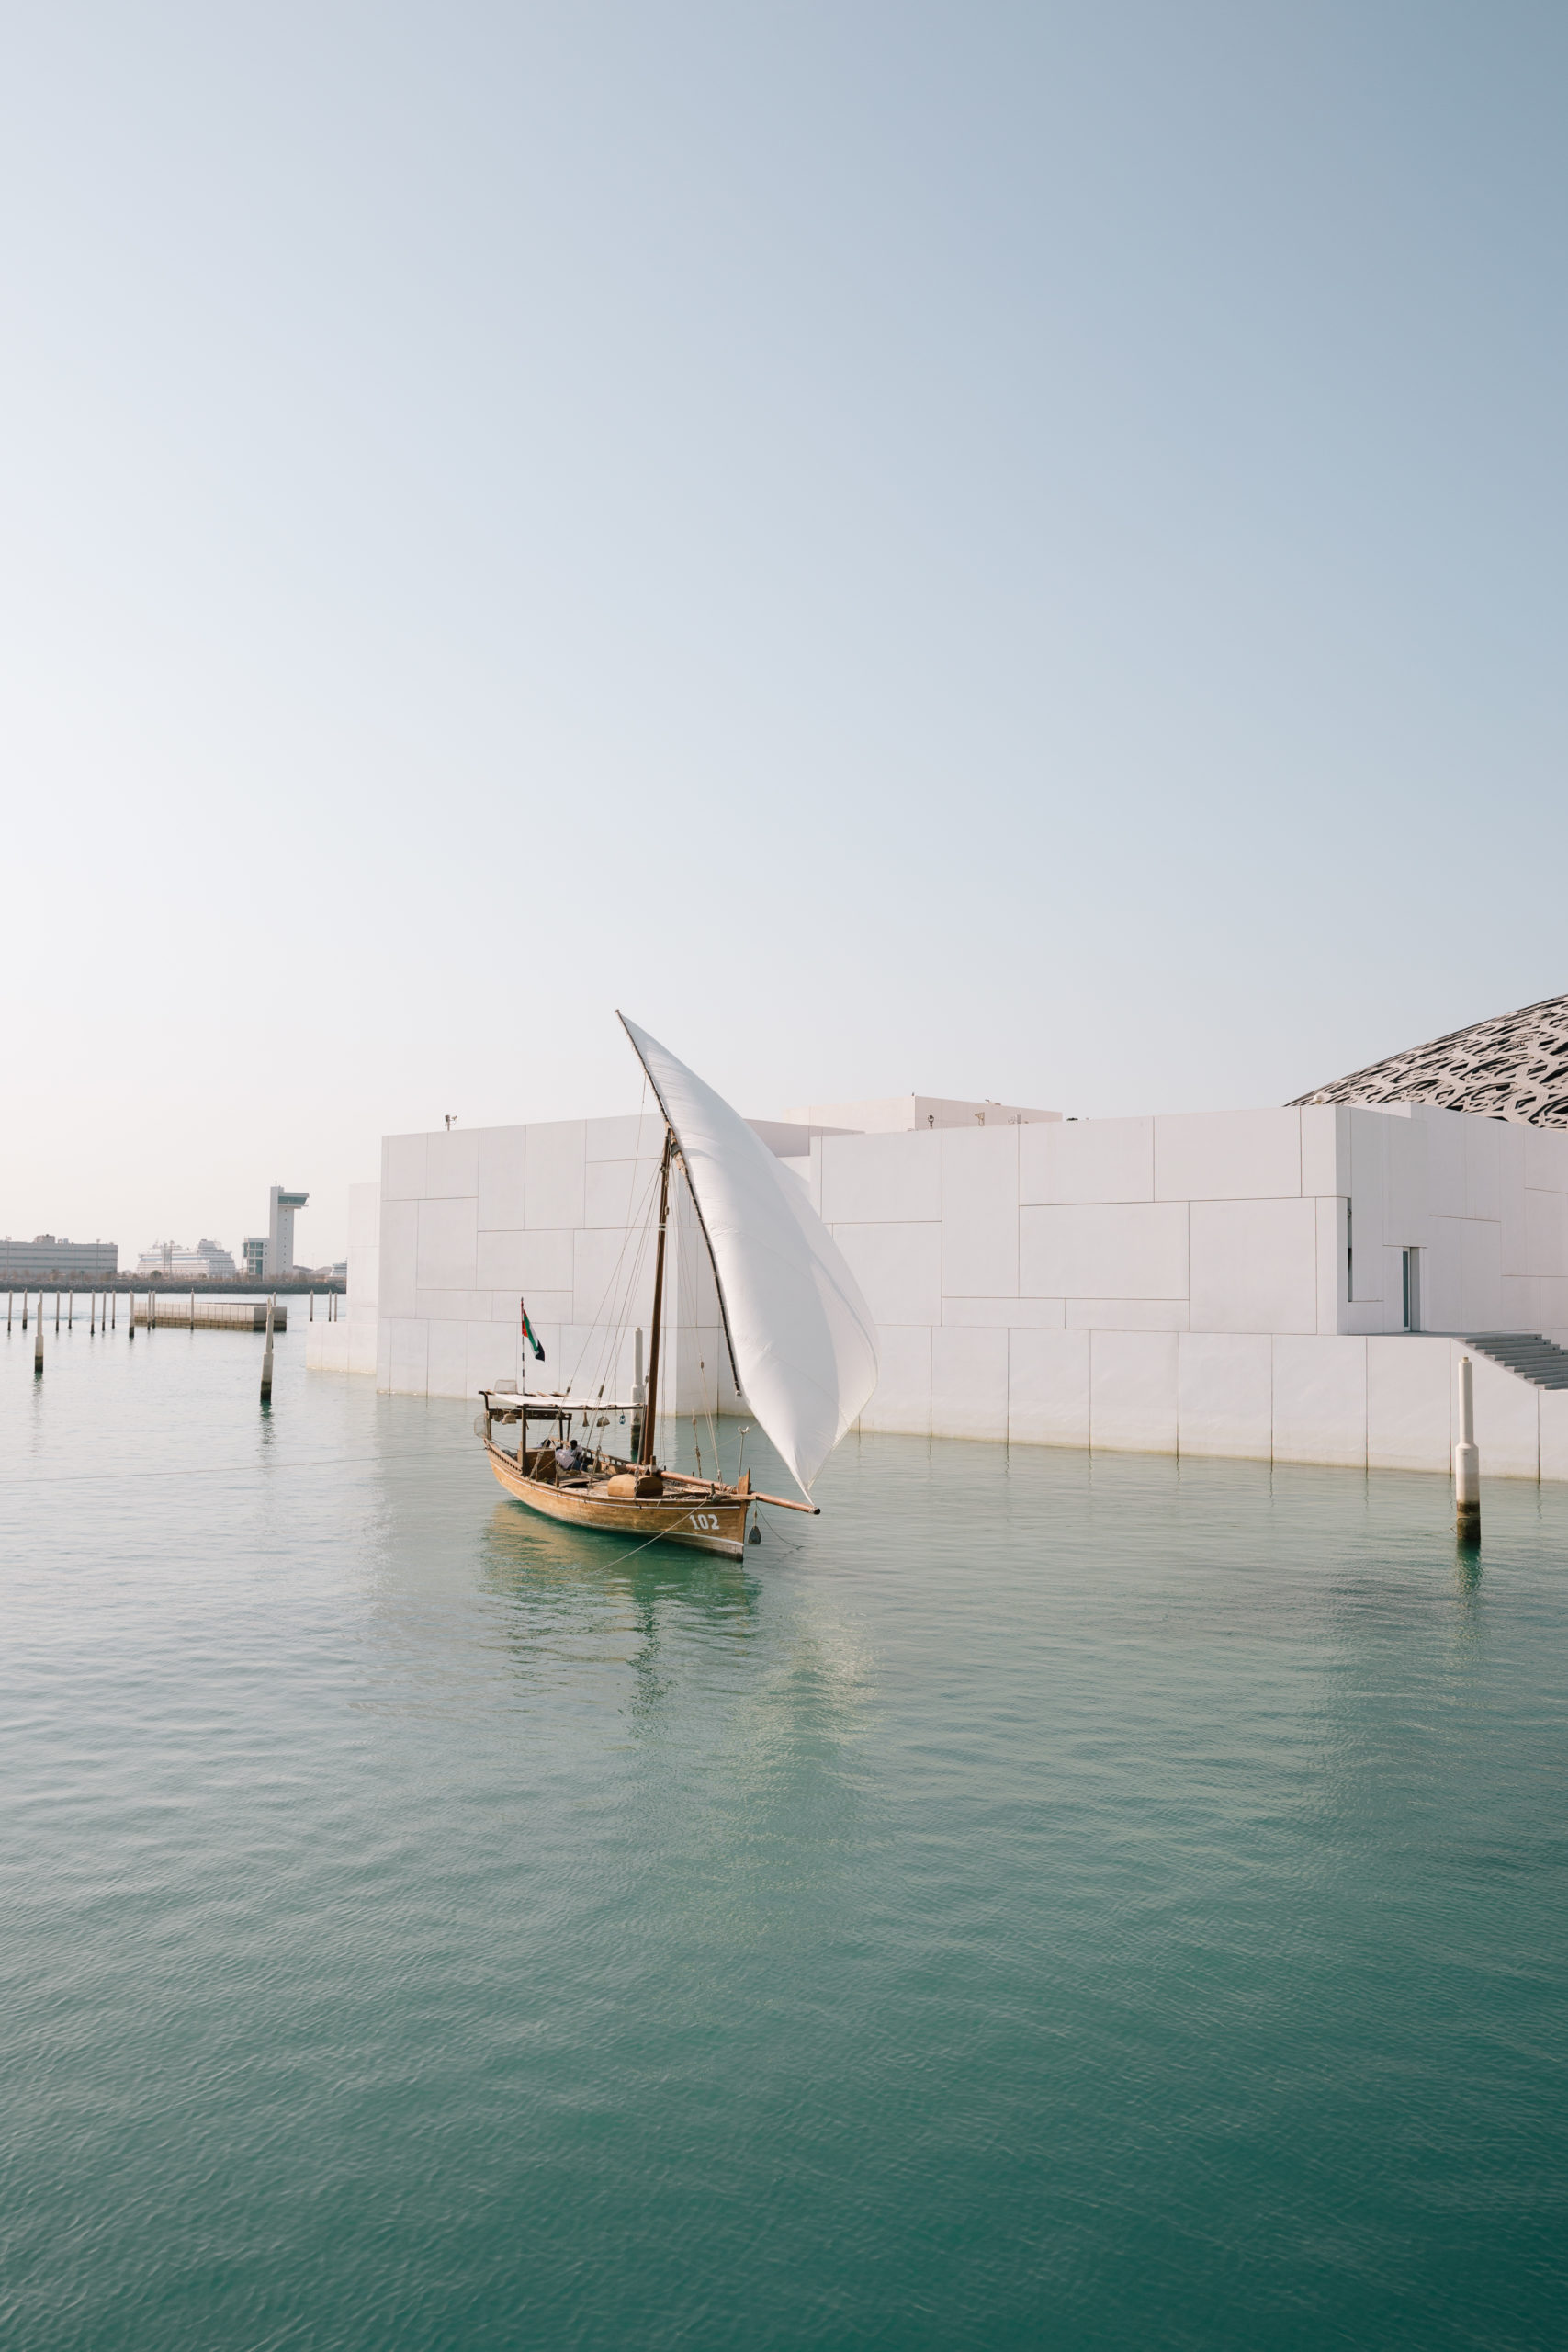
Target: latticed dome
{"type": "Point", "coordinates": [1513, 1067]}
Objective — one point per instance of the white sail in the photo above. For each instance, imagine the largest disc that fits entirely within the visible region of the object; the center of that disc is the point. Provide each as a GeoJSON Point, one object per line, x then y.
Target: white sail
{"type": "Point", "coordinates": [804, 1343]}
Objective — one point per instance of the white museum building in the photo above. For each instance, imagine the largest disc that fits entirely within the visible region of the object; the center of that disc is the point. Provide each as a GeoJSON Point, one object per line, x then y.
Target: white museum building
{"type": "Point", "coordinates": [1289, 1283]}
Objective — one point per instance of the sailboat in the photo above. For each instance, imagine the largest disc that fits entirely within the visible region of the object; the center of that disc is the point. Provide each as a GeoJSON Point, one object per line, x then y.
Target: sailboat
{"type": "Point", "coordinates": [801, 1341]}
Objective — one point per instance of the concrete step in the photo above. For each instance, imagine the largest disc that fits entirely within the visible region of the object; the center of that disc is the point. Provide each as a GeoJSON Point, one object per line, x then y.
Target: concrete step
{"type": "Point", "coordinates": [1525, 1353]}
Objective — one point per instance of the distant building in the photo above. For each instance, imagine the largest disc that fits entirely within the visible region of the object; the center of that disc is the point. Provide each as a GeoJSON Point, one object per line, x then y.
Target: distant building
{"type": "Point", "coordinates": [44, 1259]}
{"type": "Point", "coordinates": [208, 1262]}
{"type": "Point", "coordinates": [279, 1258]}
{"type": "Point", "coordinates": [253, 1257]}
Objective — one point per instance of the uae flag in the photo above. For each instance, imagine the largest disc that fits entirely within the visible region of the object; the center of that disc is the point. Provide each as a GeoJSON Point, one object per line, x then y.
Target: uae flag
{"type": "Point", "coordinates": [528, 1334]}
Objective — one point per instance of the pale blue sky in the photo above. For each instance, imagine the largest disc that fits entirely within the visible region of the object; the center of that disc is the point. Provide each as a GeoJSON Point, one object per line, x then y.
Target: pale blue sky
{"type": "Point", "coordinates": [998, 550]}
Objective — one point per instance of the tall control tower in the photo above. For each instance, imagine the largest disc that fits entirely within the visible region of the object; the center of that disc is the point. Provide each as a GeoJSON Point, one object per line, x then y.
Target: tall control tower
{"type": "Point", "coordinates": [280, 1231]}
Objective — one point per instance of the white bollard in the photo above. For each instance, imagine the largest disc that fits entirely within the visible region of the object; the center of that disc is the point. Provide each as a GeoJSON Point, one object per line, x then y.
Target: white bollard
{"type": "Point", "coordinates": [1467, 1458]}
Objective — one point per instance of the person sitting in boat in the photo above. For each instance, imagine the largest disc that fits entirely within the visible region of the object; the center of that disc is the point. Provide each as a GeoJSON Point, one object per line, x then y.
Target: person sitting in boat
{"type": "Point", "coordinates": [569, 1457]}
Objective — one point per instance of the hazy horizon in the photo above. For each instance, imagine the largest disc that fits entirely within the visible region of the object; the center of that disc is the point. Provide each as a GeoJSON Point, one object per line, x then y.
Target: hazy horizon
{"type": "Point", "coordinates": [1003, 553]}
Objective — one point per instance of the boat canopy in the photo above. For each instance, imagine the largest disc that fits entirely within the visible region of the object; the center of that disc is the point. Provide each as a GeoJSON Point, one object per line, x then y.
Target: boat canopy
{"type": "Point", "coordinates": [801, 1335]}
{"type": "Point", "coordinates": [542, 1401]}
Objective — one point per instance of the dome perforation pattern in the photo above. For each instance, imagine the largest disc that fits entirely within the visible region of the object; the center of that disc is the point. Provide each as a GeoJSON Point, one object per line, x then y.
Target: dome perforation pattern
{"type": "Point", "coordinates": [1514, 1065]}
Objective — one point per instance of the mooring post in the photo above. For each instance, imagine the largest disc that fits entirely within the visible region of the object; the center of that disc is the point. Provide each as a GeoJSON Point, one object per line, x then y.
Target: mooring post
{"type": "Point", "coordinates": [70, 1309]}
{"type": "Point", "coordinates": [38, 1340]}
{"type": "Point", "coordinates": [193, 1310]}
{"type": "Point", "coordinates": [130, 1313]}
{"type": "Point", "coordinates": [57, 1310]}
{"type": "Point", "coordinates": [114, 1310]}
{"type": "Point", "coordinates": [1467, 1459]}
{"type": "Point", "coordinates": [312, 1316]}
{"type": "Point", "coordinates": [267, 1358]}
{"type": "Point", "coordinates": [92, 1313]}
{"type": "Point", "coordinates": [10, 1295]}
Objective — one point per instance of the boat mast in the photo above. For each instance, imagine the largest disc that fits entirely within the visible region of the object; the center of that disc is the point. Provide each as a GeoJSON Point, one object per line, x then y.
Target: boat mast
{"type": "Point", "coordinates": [651, 1406]}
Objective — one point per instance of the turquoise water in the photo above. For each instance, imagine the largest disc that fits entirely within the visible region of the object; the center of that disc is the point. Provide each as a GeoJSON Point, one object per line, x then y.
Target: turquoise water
{"type": "Point", "coordinates": [1053, 1901]}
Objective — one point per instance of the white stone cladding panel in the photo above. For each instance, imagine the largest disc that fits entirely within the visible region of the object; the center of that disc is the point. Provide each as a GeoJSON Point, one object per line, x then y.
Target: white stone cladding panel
{"type": "Point", "coordinates": [502, 1152]}
{"type": "Point", "coordinates": [452, 1165]}
{"type": "Point", "coordinates": [383, 1354]}
{"type": "Point", "coordinates": [1130, 1250]}
{"type": "Point", "coordinates": [410, 1355]}
{"type": "Point", "coordinates": [634, 1137]}
{"type": "Point", "coordinates": [1228, 1156]}
{"type": "Point", "coordinates": [553, 1178]}
{"type": "Point", "coordinates": [363, 1335]}
{"type": "Point", "coordinates": [452, 1305]}
{"type": "Point", "coordinates": [397, 1278]}
{"type": "Point", "coordinates": [1481, 1268]}
{"type": "Point", "coordinates": [1409, 1393]}
{"type": "Point", "coordinates": [1126, 1314]}
{"type": "Point", "coordinates": [446, 1368]}
{"type": "Point", "coordinates": [402, 1167]}
{"type": "Point", "coordinates": [1406, 1215]}
{"type": "Point", "coordinates": [1483, 1168]}
{"type": "Point", "coordinates": [448, 1244]}
{"type": "Point", "coordinates": [898, 1268]}
{"type": "Point", "coordinates": [326, 1345]}
{"type": "Point", "coordinates": [1134, 1392]}
{"type": "Point", "coordinates": [1325, 1148]}
{"type": "Point", "coordinates": [979, 1212]}
{"type": "Point", "coordinates": [1442, 1302]}
{"type": "Point", "coordinates": [1366, 1132]}
{"type": "Point", "coordinates": [1546, 1159]}
{"type": "Point", "coordinates": [901, 1400]}
{"type": "Point", "coordinates": [1254, 1265]}
{"type": "Point", "coordinates": [544, 1306]}
{"type": "Point", "coordinates": [621, 1193]}
{"type": "Point", "coordinates": [1519, 1304]}
{"type": "Point", "coordinates": [1087, 1159]}
{"type": "Point", "coordinates": [1445, 1162]}
{"type": "Point", "coordinates": [497, 1261]}
{"type": "Point", "coordinates": [1553, 1412]}
{"type": "Point", "coordinates": [1546, 1234]}
{"type": "Point", "coordinates": [881, 1179]}
{"type": "Point", "coordinates": [492, 1357]}
{"type": "Point", "coordinates": [1513, 1226]}
{"type": "Point", "coordinates": [1048, 1375]}
{"type": "Point", "coordinates": [1225, 1394]}
{"type": "Point", "coordinates": [1004, 1314]}
{"type": "Point", "coordinates": [1319, 1400]}
{"type": "Point", "coordinates": [604, 1265]}
{"type": "Point", "coordinates": [969, 1384]}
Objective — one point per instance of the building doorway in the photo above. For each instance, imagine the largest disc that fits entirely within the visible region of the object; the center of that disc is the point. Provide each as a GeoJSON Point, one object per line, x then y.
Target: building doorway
{"type": "Point", "coordinates": [1411, 1289]}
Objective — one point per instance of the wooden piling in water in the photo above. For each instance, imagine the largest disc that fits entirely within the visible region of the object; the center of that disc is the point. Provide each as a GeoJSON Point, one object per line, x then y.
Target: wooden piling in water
{"type": "Point", "coordinates": [1467, 1461]}
{"type": "Point", "coordinates": [57, 1310]}
{"type": "Point", "coordinates": [266, 1358]}
{"type": "Point", "coordinates": [38, 1340]}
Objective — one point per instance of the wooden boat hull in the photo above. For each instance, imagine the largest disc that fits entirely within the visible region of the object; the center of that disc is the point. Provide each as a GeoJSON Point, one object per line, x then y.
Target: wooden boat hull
{"type": "Point", "coordinates": [710, 1523]}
